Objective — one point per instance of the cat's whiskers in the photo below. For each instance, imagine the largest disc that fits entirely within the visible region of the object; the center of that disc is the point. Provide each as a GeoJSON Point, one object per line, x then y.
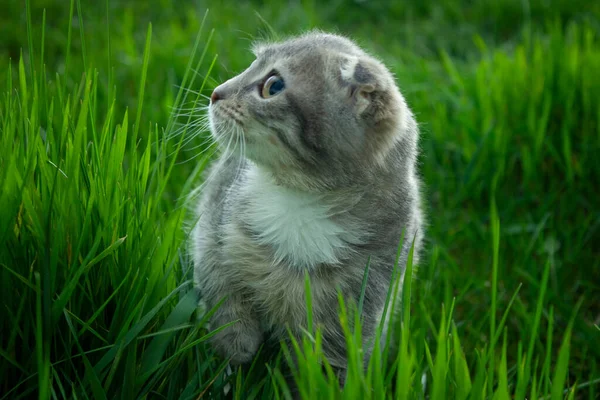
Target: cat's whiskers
{"type": "Point", "coordinates": [193, 105]}
{"type": "Point", "coordinates": [206, 141]}
{"type": "Point", "coordinates": [221, 129]}
{"type": "Point", "coordinates": [194, 134]}
{"type": "Point", "coordinates": [194, 92]}
{"type": "Point", "coordinates": [198, 126]}
{"type": "Point", "coordinates": [240, 136]}
{"type": "Point", "coordinates": [201, 121]}
{"type": "Point", "coordinates": [190, 112]}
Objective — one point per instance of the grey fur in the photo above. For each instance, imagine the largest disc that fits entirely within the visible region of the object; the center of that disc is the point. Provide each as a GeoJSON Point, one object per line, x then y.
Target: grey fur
{"type": "Point", "coordinates": [341, 135]}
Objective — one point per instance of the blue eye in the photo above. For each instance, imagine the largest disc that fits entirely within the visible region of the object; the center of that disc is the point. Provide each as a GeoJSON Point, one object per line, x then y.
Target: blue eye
{"type": "Point", "coordinates": [272, 86]}
{"type": "Point", "coordinates": [276, 87]}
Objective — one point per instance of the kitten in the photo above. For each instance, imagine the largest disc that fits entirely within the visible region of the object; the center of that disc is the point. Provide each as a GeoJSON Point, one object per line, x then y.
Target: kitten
{"type": "Point", "coordinates": [326, 179]}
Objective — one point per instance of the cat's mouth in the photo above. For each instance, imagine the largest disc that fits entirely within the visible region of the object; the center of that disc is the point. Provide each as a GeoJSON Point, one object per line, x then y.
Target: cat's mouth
{"type": "Point", "coordinates": [228, 127]}
{"type": "Point", "coordinates": [228, 113]}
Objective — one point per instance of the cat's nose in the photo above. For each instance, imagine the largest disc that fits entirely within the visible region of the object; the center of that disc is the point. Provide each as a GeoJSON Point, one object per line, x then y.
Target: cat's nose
{"type": "Point", "coordinates": [215, 96]}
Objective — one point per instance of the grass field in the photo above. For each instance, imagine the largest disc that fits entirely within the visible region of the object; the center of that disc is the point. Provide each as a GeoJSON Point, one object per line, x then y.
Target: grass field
{"type": "Point", "coordinates": [95, 281]}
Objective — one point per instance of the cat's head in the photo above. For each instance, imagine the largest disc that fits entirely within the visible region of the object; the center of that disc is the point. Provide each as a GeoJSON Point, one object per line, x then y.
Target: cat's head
{"type": "Point", "coordinates": [315, 110]}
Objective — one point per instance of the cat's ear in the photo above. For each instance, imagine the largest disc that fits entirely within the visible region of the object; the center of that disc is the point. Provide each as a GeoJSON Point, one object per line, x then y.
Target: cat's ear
{"type": "Point", "coordinates": [360, 75]}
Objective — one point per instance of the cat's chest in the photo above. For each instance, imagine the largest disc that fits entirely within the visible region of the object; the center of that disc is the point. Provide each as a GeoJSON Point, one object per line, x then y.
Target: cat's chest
{"type": "Point", "coordinates": [298, 227]}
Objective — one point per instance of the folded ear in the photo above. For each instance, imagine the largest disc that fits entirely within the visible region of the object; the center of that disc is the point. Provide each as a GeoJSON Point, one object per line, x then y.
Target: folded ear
{"type": "Point", "coordinates": [361, 76]}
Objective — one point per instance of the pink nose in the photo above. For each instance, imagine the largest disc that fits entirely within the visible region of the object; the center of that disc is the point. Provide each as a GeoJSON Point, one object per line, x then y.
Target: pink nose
{"type": "Point", "coordinates": [214, 97]}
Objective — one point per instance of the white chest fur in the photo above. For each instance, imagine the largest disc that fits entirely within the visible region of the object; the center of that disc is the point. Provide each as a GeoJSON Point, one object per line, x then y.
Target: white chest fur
{"type": "Point", "coordinates": [297, 225]}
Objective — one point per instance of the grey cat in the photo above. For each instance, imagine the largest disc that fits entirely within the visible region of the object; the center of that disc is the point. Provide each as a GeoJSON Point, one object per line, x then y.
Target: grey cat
{"type": "Point", "coordinates": [322, 179]}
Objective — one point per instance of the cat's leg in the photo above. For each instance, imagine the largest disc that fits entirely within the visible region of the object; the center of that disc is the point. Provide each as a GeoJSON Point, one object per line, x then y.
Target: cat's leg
{"type": "Point", "coordinates": [221, 289]}
{"type": "Point", "coordinates": [241, 339]}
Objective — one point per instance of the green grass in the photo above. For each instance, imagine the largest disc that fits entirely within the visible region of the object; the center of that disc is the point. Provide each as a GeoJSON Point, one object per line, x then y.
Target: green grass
{"type": "Point", "coordinates": [95, 279]}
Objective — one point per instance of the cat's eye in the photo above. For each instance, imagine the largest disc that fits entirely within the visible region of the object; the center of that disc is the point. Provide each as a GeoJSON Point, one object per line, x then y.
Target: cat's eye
{"type": "Point", "coordinates": [274, 85]}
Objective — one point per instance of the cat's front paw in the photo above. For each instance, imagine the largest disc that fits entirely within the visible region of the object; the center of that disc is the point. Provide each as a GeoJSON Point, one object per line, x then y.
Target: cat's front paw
{"type": "Point", "coordinates": [238, 342]}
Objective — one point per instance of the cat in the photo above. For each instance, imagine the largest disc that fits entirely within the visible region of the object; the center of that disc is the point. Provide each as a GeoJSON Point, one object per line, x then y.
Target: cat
{"type": "Point", "coordinates": [323, 180]}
